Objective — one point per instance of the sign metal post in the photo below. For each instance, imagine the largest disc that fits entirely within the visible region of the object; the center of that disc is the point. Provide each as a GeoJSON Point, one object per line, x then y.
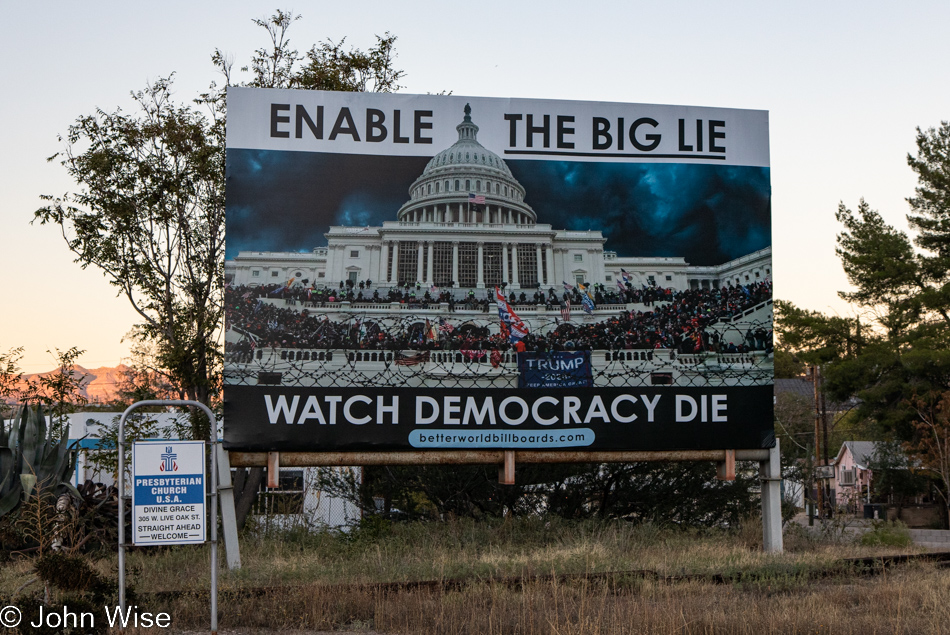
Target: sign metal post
{"type": "Point", "coordinates": [168, 462]}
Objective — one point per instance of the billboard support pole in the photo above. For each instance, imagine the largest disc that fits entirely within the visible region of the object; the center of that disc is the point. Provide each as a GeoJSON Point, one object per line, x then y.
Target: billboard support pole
{"type": "Point", "coordinates": [228, 517]}
{"type": "Point", "coordinates": [273, 469]}
{"type": "Point", "coordinates": [726, 469]}
{"type": "Point", "coordinates": [506, 471]}
{"type": "Point", "coordinates": [770, 473]}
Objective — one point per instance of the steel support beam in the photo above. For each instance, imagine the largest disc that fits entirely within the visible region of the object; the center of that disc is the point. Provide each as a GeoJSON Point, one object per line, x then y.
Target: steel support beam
{"type": "Point", "coordinates": [484, 457]}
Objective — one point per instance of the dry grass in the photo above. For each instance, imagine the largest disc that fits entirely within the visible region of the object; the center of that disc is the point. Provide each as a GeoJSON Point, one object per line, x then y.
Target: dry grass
{"type": "Point", "coordinates": [321, 581]}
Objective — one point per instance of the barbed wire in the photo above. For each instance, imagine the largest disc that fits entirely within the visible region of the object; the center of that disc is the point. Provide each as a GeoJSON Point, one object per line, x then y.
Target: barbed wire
{"type": "Point", "coordinates": [428, 349]}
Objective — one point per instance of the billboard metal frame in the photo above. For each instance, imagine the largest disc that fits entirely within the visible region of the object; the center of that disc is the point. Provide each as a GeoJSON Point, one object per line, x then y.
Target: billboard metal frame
{"type": "Point", "coordinates": [769, 460]}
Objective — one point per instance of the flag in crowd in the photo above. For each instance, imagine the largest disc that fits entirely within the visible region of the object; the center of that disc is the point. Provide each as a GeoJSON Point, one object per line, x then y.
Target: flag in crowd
{"type": "Point", "coordinates": [625, 275]}
{"type": "Point", "coordinates": [510, 322]}
{"type": "Point", "coordinates": [444, 326]}
{"type": "Point", "coordinates": [620, 285]}
{"type": "Point", "coordinates": [567, 287]}
{"type": "Point", "coordinates": [586, 300]}
{"type": "Point", "coordinates": [566, 310]}
{"type": "Point", "coordinates": [411, 360]}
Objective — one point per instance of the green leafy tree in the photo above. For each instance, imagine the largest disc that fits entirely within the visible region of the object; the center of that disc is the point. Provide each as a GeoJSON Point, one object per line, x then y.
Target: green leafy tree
{"type": "Point", "coordinates": [905, 289]}
{"type": "Point", "coordinates": [149, 214]}
{"type": "Point", "coordinates": [929, 447]}
{"type": "Point", "coordinates": [901, 347]}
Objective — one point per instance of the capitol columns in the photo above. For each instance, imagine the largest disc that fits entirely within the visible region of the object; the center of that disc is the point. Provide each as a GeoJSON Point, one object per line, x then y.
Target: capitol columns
{"type": "Point", "coordinates": [372, 264]}
{"type": "Point", "coordinates": [395, 278]}
{"type": "Point", "coordinates": [480, 283]}
{"type": "Point", "coordinates": [549, 253]}
{"type": "Point", "coordinates": [559, 263]}
{"type": "Point", "coordinates": [597, 270]}
{"type": "Point", "coordinates": [504, 262]}
{"type": "Point", "coordinates": [537, 250]}
{"type": "Point", "coordinates": [383, 274]}
{"type": "Point", "coordinates": [455, 263]}
{"type": "Point", "coordinates": [429, 258]}
{"type": "Point", "coordinates": [516, 282]}
{"type": "Point", "coordinates": [420, 246]}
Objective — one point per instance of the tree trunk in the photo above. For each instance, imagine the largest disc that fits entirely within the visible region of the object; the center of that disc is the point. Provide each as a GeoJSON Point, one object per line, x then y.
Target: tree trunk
{"type": "Point", "coordinates": [247, 483]}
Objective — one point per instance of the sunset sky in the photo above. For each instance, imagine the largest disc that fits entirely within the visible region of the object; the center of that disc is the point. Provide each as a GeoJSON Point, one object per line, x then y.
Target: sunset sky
{"type": "Point", "coordinates": [845, 84]}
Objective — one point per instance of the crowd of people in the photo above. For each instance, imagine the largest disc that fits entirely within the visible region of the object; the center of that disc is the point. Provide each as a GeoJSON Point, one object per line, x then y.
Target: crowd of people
{"type": "Point", "coordinates": [669, 319]}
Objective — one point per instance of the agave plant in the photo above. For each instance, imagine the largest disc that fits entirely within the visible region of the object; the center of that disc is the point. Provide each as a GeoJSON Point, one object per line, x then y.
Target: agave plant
{"type": "Point", "coordinates": [32, 457]}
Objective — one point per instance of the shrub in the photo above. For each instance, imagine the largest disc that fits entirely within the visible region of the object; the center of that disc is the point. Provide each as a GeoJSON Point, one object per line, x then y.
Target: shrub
{"type": "Point", "coordinates": [885, 533]}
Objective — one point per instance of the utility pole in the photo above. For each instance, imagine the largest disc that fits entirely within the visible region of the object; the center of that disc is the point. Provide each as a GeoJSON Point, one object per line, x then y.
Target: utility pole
{"type": "Point", "coordinates": [824, 446]}
{"type": "Point", "coordinates": [818, 484]}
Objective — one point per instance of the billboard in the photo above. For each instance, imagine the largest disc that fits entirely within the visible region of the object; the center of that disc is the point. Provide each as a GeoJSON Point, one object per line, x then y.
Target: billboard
{"type": "Point", "coordinates": [447, 272]}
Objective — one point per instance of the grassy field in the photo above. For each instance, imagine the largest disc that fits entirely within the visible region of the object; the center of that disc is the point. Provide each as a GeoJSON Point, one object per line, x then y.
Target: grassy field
{"type": "Point", "coordinates": [540, 576]}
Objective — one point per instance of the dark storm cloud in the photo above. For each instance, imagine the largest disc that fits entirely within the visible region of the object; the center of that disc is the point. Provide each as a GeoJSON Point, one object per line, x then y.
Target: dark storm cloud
{"type": "Point", "coordinates": [286, 201]}
{"type": "Point", "coordinates": [708, 214]}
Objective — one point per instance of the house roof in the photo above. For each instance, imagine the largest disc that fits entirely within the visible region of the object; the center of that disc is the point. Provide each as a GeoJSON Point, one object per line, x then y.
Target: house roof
{"type": "Point", "coordinates": [806, 388]}
{"type": "Point", "coordinates": [799, 386]}
{"type": "Point", "coordinates": [862, 451]}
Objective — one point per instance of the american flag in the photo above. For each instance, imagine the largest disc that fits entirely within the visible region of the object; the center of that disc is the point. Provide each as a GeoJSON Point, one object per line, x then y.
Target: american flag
{"type": "Point", "coordinates": [477, 200]}
{"type": "Point", "coordinates": [567, 287]}
{"type": "Point", "coordinates": [625, 275]}
{"type": "Point", "coordinates": [566, 310]}
{"type": "Point", "coordinates": [444, 326]}
{"type": "Point", "coordinates": [411, 360]}
{"type": "Point", "coordinates": [620, 284]}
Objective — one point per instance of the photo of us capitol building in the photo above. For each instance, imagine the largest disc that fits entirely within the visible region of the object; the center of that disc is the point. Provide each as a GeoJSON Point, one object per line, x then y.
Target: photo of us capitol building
{"type": "Point", "coordinates": [412, 301]}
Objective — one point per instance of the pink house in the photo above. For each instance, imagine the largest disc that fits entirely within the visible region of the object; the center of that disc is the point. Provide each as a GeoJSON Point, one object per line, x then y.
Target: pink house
{"type": "Point", "coordinates": [853, 474]}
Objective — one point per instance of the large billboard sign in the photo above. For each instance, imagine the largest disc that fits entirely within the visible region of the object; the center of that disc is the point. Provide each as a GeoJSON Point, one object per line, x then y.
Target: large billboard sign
{"type": "Point", "coordinates": [446, 272]}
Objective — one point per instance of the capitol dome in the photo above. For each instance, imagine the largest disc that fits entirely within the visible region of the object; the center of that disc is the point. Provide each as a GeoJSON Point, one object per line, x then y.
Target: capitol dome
{"type": "Point", "coordinates": [444, 190]}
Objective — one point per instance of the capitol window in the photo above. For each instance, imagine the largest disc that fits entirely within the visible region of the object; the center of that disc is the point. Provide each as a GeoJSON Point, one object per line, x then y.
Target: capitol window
{"type": "Point", "coordinates": [256, 273]}
{"type": "Point", "coordinates": [355, 253]}
{"type": "Point", "coordinates": [578, 257]}
{"type": "Point", "coordinates": [456, 185]}
{"type": "Point", "coordinates": [274, 274]}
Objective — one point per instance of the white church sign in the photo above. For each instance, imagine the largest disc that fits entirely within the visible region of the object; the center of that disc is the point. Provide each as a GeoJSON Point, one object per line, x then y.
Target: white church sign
{"type": "Point", "coordinates": [168, 492]}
